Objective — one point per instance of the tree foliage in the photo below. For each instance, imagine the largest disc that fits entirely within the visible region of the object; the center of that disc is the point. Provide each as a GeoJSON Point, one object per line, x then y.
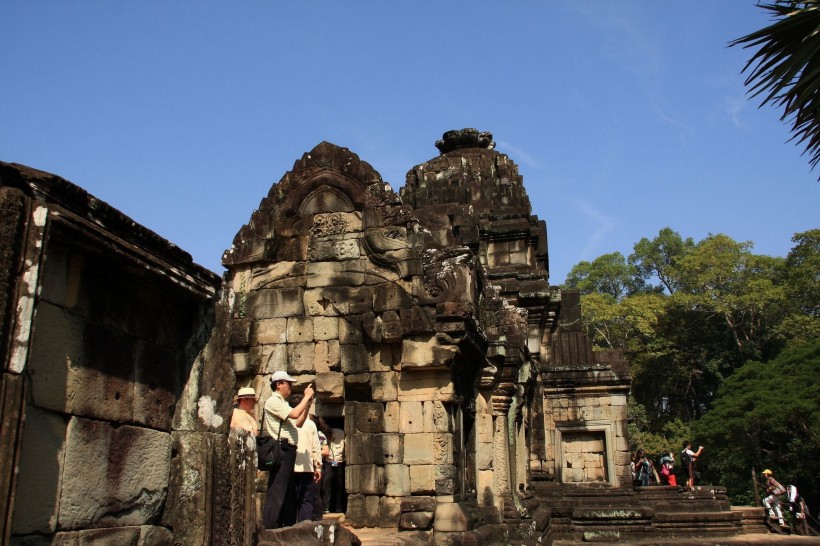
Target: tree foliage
{"type": "Point", "coordinates": [701, 323]}
{"type": "Point", "coordinates": [785, 70]}
{"type": "Point", "coordinates": [766, 415]}
{"type": "Point", "coordinates": [607, 274]}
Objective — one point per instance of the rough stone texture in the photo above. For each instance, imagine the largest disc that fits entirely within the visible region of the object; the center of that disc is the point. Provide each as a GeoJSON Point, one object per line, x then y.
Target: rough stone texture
{"type": "Point", "coordinates": [144, 535]}
{"type": "Point", "coordinates": [309, 533]}
{"type": "Point", "coordinates": [187, 510]}
{"type": "Point", "coordinates": [113, 476]}
{"type": "Point", "coordinates": [41, 468]}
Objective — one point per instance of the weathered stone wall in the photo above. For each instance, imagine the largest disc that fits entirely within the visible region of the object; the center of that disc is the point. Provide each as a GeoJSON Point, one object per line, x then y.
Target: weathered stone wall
{"type": "Point", "coordinates": [102, 343]}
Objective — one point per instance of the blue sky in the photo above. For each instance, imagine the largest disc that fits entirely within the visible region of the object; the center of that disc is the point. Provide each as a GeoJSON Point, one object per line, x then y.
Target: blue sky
{"type": "Point", "coordinates": [624, 117]}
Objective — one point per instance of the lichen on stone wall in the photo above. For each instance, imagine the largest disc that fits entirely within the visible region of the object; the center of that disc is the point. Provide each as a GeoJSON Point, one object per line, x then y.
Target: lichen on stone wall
{"type": "Point", "coordinates": [207, 412]}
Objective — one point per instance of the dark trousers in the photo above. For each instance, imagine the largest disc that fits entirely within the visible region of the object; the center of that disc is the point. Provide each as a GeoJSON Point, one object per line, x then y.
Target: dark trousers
{"type": "Point", "coordinates": [278, 487]}
{"type": "Point", "coordinates": [300, 508]}
{"type": "Point", "coordinates": [318, 507]}
{"type": "Point", "coordinates": [334, 495]}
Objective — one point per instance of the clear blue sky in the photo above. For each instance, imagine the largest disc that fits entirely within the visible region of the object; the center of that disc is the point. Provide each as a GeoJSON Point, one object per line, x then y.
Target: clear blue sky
{"type": "Point", "coordinates": [624, 117]}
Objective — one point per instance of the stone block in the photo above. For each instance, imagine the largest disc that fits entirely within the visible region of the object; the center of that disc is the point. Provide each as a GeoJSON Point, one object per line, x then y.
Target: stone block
{"type": "Point", "coordinates": [442, 448]}
{"type": "Point", "coordinates": [392, 417]}
{"type": "Point", "coordinates": [342, 273]}
{"type": "Point", "coordinates": [368, 417]}
{"type": "Point", "coordinates": [484, 427]}
{"type": "Point", "coordinates": [113, 476]}
{"type": "Point", "coordinates": [419, 353]}
{"type": "Point", "coordinates": [436, 417]}
{"type": "Point", "coordinates": [241, 332]}
{"type": "Point", "coordinates": [385, 386]}
{"type": "Point", "coordinates": [330, 386]}
{"type": "Point", "coordinates": [385, 357]}
{"type": "Point", "coordinates": [418, 504]}
{"type": "Point", "coordinates": [485, 487]}
{"type": "Point", "coordinates": [300, 329]}
{"type": "Point", "coordinates": [411, 418]}
{"type": "Point", "coordinates": [389, 512]}
{"type": "Point", "coordinates": [362, 449]}
{"type": "Point", "coordinates": [322, 302]}
{"type": "Point", "coordinates": [418, 320]}
{"type": "Point", "coordinates": [391, 327]}
{"type": "Point", "coordinates": [452, 517]}
{"type": "Point", "coordinates": [422, 479]}
{"type": "Point", "coordinates": [320, 357]}
{"type": "Point", "coordinates": [418, 448]}
{"type": "Point", "coordinates": [372, 504]}
{"type": "Point", "coordinates": [617, 400]}
{"type": "Point", "coordinates": [270, 358]}
{"type": "Point", "coordinates": [416, 521]}
{"type": "Point", "coordinates": [354, 359]}
{"type": "Point", "coordinates": [281, 274]}
{"type": "Point", "coordinates": [337, 247]}
{"type": "Point", "coordinates": [144, 535]}
{"type": "Point", "coordinates": [425, 385]}
{"type": "Point", "coordinates": [300, 358]}
{"type": "Point", "coordinates": [484, 455]}
{"type": "Point", "coordinates": [81, 368]}
{"type": "Point", "coordinates": [372, 327]}
{"type": "Point", "coordinates": [390, 449]}
{"type": "Point", "coordinates": [391, 297]}
{"type": "Point", "coordinates": [357, 514]}
{"type": "Point", "coordinates": [240, 363]}
{"type": "Point", "coordinates": [274, 303]}
{"type": "Point", "coordinates": [367, 479]}
{"type": "Point", "coordinates": [156, 383]}
{"type": "Point", "coordinates": [350, 330]}
{"type": "Point", "coordinates": [397, 477]}
{"type": "Point", "coordinates": [325, 328]}
{"type": "Point", "coordinates": [36, 501]}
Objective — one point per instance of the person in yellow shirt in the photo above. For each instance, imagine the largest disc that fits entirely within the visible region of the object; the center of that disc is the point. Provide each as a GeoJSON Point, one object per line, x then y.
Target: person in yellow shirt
{"type": "Point", "coordinates": [244, 415]}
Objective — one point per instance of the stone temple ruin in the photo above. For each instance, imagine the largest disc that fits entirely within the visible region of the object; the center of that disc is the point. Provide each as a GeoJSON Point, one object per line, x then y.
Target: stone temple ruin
{"type": "Point", "coordinates": [473, 404]}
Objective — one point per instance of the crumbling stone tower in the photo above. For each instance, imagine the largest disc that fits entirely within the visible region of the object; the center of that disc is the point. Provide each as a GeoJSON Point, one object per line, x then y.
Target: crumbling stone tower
{"type": "Point", "coordinates": [426, 321]}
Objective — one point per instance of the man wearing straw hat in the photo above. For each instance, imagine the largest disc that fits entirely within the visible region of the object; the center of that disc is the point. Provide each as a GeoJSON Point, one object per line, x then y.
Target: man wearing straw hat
{"type": "Point", "coordinates": [243, 417]}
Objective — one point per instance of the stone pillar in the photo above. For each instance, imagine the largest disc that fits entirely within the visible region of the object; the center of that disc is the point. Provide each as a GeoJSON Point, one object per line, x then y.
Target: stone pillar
{"type": "Point", "coordinates": [22, 232]}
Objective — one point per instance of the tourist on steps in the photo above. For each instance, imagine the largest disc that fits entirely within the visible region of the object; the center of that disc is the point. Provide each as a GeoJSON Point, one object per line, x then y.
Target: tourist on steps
{"type": "Point", "coordinates": [687, 459]}
{"type": "Point", "coordinates": [772, 499]}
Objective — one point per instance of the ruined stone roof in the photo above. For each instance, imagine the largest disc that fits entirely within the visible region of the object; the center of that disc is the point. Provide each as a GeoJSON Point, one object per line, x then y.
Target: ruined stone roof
{"type": "Point", "coordinates": [99, 215]}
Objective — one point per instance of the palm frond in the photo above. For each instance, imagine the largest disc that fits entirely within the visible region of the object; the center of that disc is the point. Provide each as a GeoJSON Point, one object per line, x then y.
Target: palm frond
{"type": "Point", "coordinates": [785, 70]}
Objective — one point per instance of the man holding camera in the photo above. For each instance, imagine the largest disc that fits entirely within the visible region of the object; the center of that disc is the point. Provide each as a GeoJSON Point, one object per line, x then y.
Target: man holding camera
{"type": "Point", "coordinates": [281, 421]}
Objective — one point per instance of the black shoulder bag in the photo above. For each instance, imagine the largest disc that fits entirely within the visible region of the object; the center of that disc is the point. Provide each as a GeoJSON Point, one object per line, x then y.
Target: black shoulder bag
{"type": "Point", "coordinates": [269, 451]}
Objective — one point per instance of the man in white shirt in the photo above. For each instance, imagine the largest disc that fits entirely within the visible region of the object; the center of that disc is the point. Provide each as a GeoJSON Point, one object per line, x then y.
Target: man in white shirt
{"type": "Point", "coordinates": [282, 421]}
{"type": "Point", "coordinates": [334, 495]}
{"type": "Point", "coordinates": [306, 470]}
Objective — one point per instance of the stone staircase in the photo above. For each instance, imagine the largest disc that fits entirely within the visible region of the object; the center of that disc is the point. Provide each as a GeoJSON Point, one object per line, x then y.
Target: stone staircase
{"type": "Point", "coordinates": [634, 515]}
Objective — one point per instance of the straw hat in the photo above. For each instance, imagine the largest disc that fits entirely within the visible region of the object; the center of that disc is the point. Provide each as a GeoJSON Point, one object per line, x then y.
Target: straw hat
{"type": "Point", "coordinates": [246, 392]}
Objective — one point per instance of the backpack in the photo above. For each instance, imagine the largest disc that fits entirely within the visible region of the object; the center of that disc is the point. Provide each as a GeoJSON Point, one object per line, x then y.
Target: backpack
{"type": "Point", "coordinates": [685, 459]}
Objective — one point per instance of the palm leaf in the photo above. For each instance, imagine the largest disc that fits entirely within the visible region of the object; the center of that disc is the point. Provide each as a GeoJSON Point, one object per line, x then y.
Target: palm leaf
{"type": "Point", "coordinates": [785, 69]}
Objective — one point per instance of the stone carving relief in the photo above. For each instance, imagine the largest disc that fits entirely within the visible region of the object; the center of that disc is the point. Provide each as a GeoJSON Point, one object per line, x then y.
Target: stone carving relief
{"type": "Point", "coordinates": [328, 224]}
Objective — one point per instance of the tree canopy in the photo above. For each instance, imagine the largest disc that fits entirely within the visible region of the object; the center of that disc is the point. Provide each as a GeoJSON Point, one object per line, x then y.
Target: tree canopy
{"type": "Point", "coordinates": [766, 415]}
{"type": "Point", "coordinates": [691, 316]}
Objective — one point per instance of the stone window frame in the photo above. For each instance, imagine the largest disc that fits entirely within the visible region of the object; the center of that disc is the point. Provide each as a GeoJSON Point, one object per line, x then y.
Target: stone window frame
{"type": "Point", "coordinates": [607, 427]}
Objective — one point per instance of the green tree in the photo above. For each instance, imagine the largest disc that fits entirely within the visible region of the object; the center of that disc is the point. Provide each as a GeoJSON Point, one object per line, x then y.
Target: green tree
{"type": "Point", "coordinates": [803, 272]}
{"type": "Point", "coordinates": [766, 415]}
{"type": "Point", "coordinates": [658, 258]}
{"type": "Point", "coordinates": [785, 70]}
{"type": "Point", "coordinates": [720, 276]}
{"type": "Point", "coordinates": [607, 274]}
